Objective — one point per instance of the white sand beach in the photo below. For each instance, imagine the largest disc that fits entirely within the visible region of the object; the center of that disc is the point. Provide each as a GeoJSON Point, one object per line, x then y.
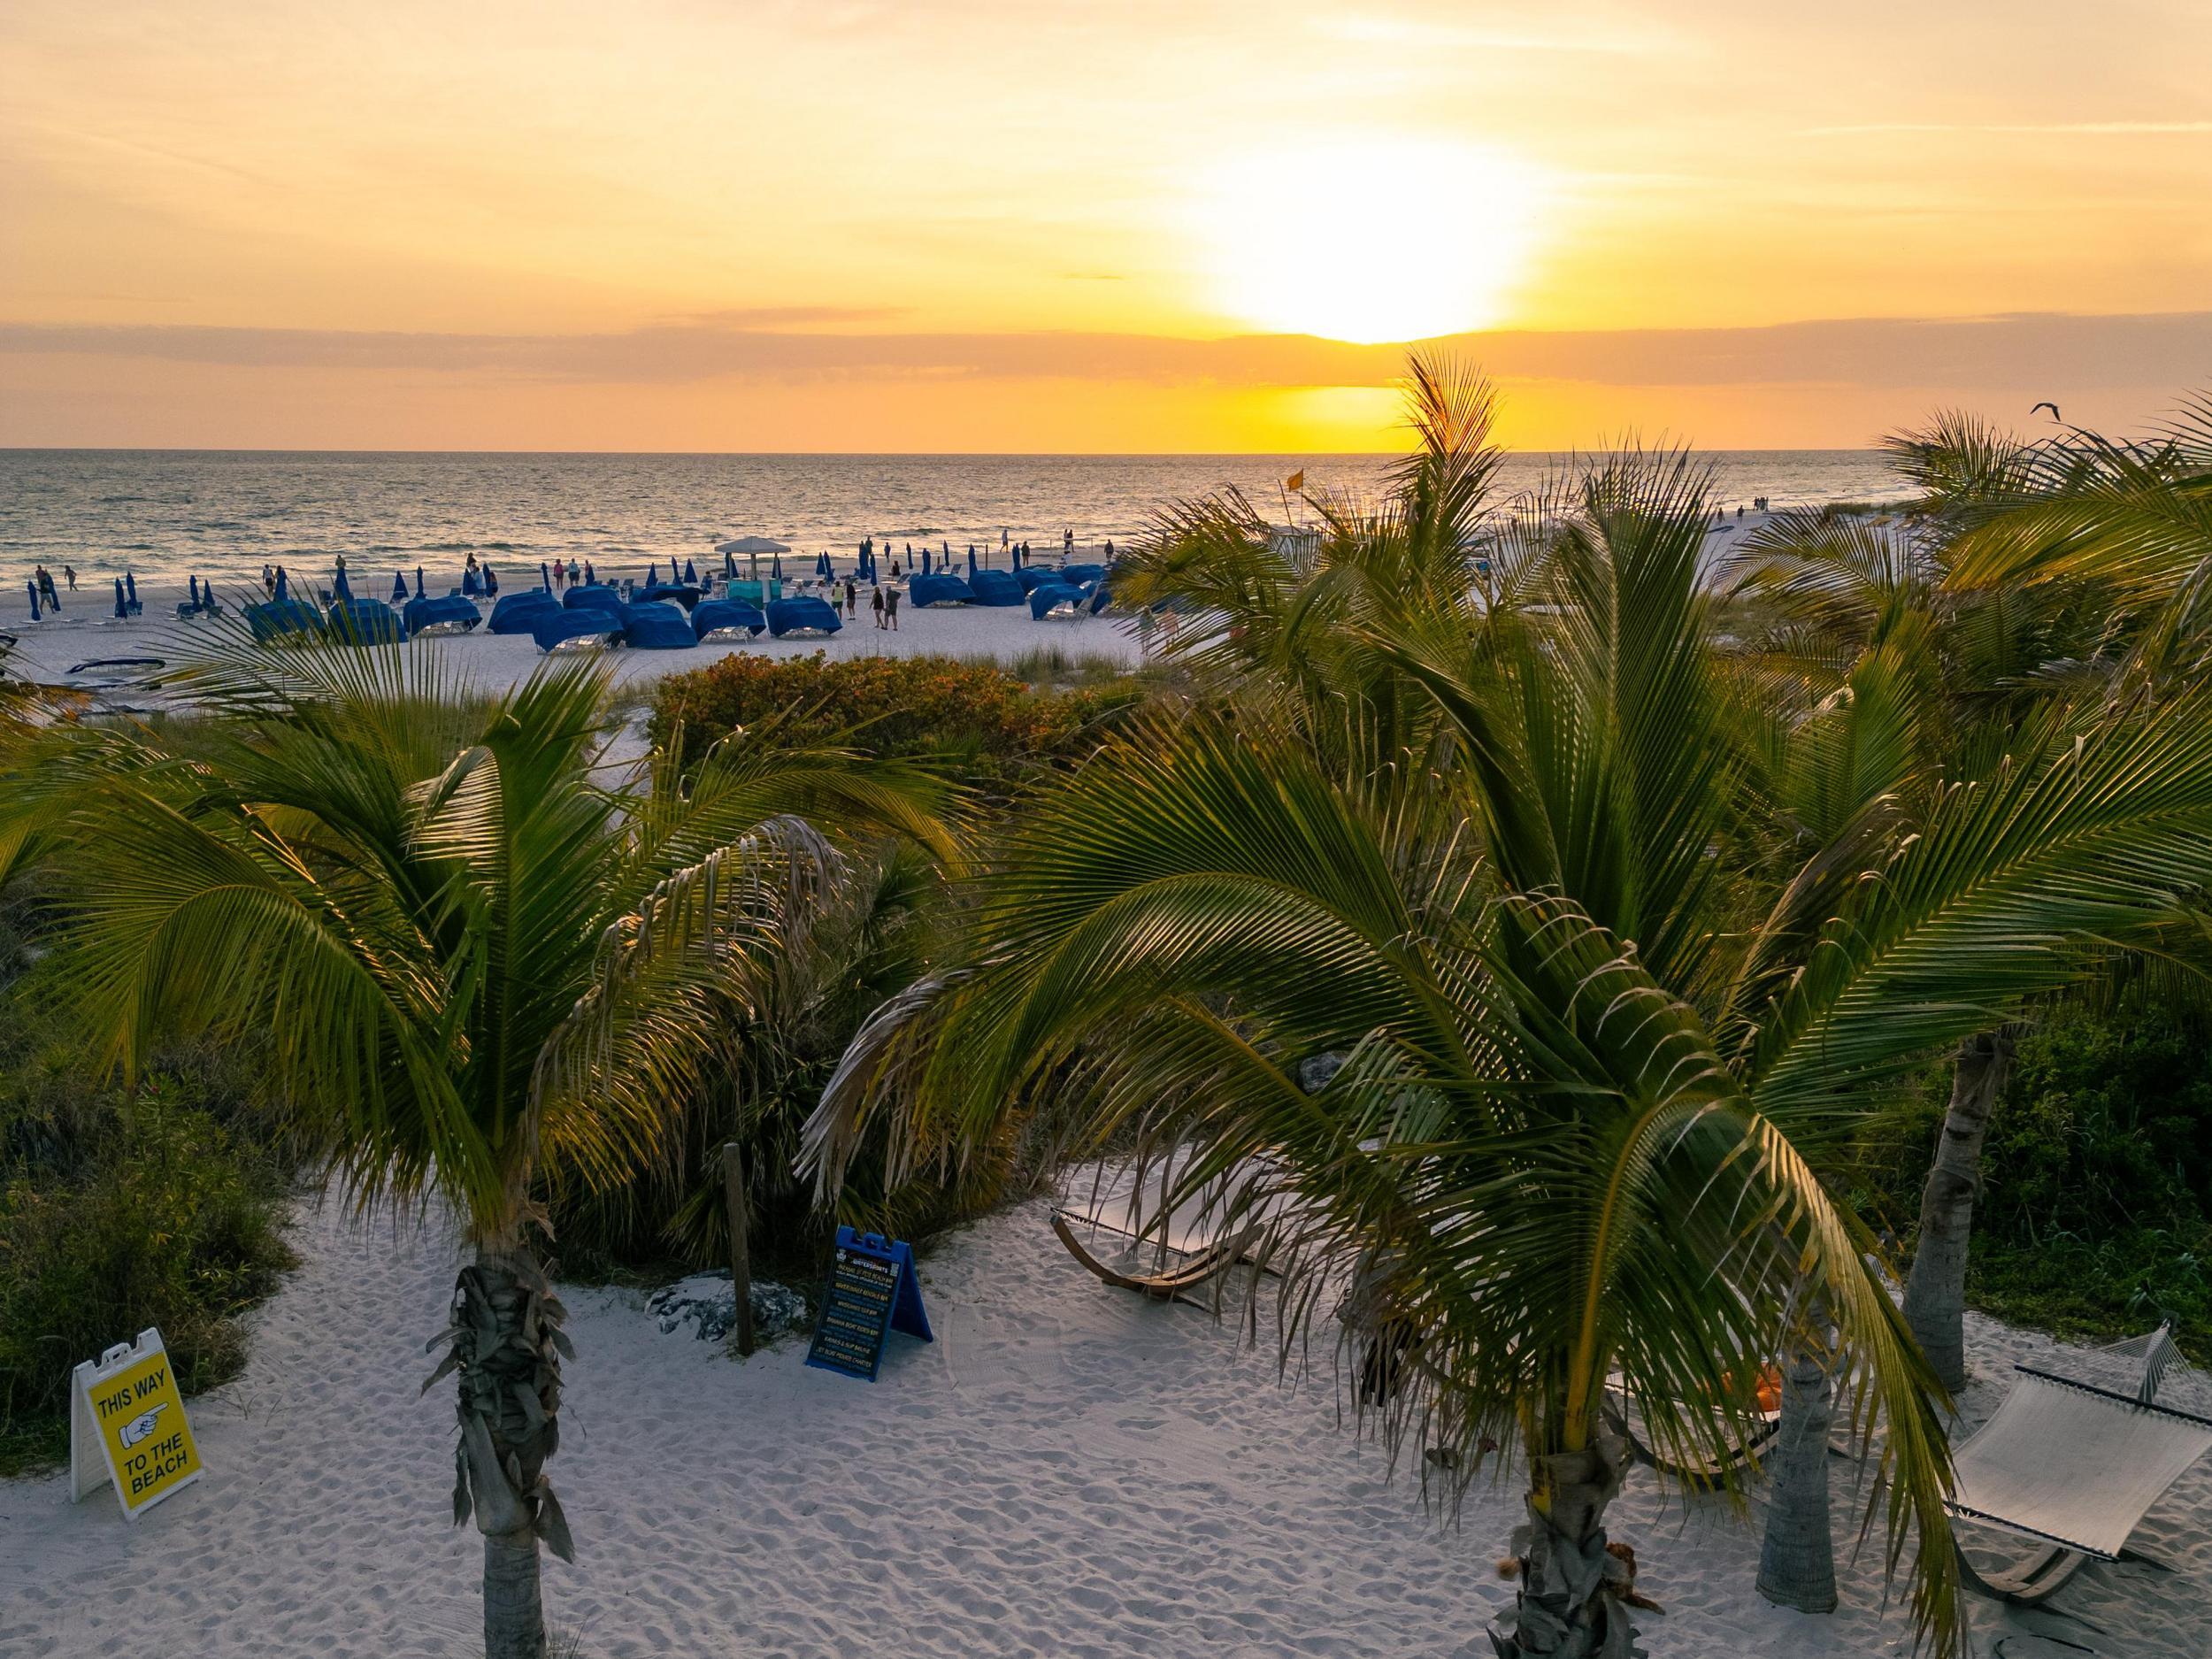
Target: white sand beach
{"type": "Point", "coordinates": [87, 629]}
{"type": "Point", "coordinates": [1067, 1470]}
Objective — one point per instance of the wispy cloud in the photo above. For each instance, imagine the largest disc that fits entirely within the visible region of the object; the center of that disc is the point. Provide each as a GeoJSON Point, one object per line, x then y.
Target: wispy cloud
{"type": "Point", "coordinates": [2094, 129]}
{"type": "Point", "coordinates": [2026, 354]}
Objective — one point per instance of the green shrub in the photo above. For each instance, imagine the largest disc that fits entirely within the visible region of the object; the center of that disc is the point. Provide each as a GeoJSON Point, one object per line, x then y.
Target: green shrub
{"type": "Point", "coordinates": [988, 727]}
{"type": "Point", "coordinates": [119, 1210]}
{"type": "Point", "coordinates": [2095, 1215]}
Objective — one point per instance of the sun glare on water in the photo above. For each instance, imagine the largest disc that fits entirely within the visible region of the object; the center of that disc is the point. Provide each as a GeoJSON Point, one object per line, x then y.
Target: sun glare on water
{"type": "Point", "coordinates": [1369, 239]}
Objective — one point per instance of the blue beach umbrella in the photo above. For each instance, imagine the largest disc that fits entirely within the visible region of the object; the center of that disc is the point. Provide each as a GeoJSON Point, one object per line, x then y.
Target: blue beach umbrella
{"type": "Point", "coordinates": [590, 580]}
{"type": "Point", "coordinates": [924, 561]}
{"type": "Point", "coordinates": [417, 582]}
{"type": "Point", "coordinates": [729, 566]}
{"type": "Point", "coordinates": [342, 587]}
{"type": "Point", "coordinates": [33, 585]}
{"type": "Point", "coordinates": [776, 568]}
{"type": "Point", "coordinates": [399, 588]}
{"type": "Point", "coordinates": [971, 558]}
{"type": "Point", "coordinates": [469, 583]}
{"type": "Point", "coordinates": [130, 584]}
{"type": "Point", "coordinates": [545, 577]}
{"type": "Point", "coordinates": [652, 572]}
{"type": "Point", "coordinates": [193, 584]}
{"type": "Point", "coordinates": [284, 584]}
{"type": "Point", "coordinates": [691, 575]}
{"type": "Point", "coordinates": [822, 565]}
{"type": "Point", "coordinates": [121, 611]}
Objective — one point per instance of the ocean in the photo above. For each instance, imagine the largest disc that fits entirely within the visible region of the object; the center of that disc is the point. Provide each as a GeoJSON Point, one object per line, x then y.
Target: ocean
{"type": "Point", "coordinates": [167, 514]}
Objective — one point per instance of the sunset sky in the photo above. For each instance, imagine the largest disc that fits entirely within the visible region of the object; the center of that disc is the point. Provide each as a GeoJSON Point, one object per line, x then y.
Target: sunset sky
{"type": "Point", "coordinates": [1153, 224]}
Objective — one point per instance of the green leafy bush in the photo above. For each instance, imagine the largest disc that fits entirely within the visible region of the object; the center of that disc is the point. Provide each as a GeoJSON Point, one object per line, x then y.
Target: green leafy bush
{"type": "Point", "coordinates": [2095, 1215]}
{"type": "Point", "coordinates": [987, 727]}
{"type": "Point", "coordinates": [120, 1209]}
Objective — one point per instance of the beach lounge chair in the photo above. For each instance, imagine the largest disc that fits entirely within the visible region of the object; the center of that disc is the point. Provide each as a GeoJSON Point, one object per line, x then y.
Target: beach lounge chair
{"type": "Point", "coordinates": [450, 614]}
{"type": "Point", "coordinates": [995, 587]}
{"type": "Point", "coordinates": [521, 613]}
{"type": "Point", "coordinates": [925, 591]}
{"type": "Point", "coordinates": [802, 617]}
{"type": "Point", "coordinates": [2072, 1460]}
{"type": "Point", "coordinates": [718, 620]}
{"type": "Point", "coordinates": [658, 627]}
{"type": "Point", "coordinates": [1055, 602]}
{"type": "Point", "coordinates": [586, 628]}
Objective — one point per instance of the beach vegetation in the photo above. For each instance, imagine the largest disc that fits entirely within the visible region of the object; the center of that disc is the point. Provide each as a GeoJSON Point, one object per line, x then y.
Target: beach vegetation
{"type": "Point", "coordinates": [473, 959]}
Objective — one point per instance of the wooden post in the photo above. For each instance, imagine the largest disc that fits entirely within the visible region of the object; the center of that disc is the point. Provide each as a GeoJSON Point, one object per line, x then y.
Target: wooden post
{"type": "Point", "coordinates": [741, 1242]}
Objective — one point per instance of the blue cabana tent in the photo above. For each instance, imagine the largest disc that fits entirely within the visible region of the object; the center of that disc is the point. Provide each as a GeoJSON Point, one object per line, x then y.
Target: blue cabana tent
{"type": "Point", "coordinates": [365, 622]}
{"type": "Point", "coordinates": [995, 587]}
{"type": "Point", "coordinates": [658, 627]}
{"type": "Point", "coordinates": [1081, 575]}
{"type": "Point", "coordinates": [450, 613]}
{"type": "Point", "coordinates": [576, 630]}
{"type": "Point", "coordinates": [805, 616]}
{"type": "Point", "coordinates": [1046, 597]}
{"type": "Point", "coordinates": [726, 619]}
{"type": "Point", "coordinates": [282, 616]}
{"type": "Point", "coordinates": [938, 590]}
{"type": "Point", "coordinates": [519, 613]}
{"type": "Point", "coordinates": [592, 596]}
{"type": "Point", "coordinates": [1031, 579]}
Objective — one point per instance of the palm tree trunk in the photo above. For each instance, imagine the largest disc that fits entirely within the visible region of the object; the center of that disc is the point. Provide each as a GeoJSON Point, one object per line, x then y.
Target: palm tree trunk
{"type": "Point", "coordinates": [1797, 1559]}
{"type": "Point", "coordinates": [1572, 1602]}
{"type": "Point", "coordinates": [506, 1344]}
{"type": "Point", "coordinates": [1935, 1292]}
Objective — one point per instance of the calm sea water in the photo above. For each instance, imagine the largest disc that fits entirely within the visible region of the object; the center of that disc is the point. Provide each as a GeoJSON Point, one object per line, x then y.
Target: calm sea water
{"type": "Point", "coordinates": [164, 514]}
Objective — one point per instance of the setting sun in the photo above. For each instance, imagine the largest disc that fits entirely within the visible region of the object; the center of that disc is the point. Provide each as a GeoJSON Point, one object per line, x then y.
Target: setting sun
{"type": "Point", "coordinates": [1368, 238]}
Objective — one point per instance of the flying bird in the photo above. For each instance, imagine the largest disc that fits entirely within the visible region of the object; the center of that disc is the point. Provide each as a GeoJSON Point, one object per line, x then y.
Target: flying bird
{"type": "Point", "coordinates": [2053, 408]}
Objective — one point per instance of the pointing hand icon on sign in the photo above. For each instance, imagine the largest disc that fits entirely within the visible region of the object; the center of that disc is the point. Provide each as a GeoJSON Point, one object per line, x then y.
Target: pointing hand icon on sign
{"type": "Point", "coordinates": [142, 1426]}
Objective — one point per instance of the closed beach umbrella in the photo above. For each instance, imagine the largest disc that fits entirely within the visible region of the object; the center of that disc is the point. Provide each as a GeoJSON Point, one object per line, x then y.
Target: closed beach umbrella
{"type": "Point", "coordinates": [399, 588]}
{"type": "Point", "coordinates": [690, 575]}
{"type": "Point", "coordinates": [653, 573]}
{"type": "Point", "coordinates": [971, 558]}
{"type": "Point", "coordinates": [193, 584]}
{"type": "Point", "coordinates": [924, 561]}
{"type": "Point", "coordinates": [417, 582]}
{"type": "Point", "coordinates": [342, 586]}
{"type": "Point", "coordinates": [33, 585]}
{"type": "Point", "coordinates": [130, 584]}
{"type": "Point", "coordinates": [776, 568]}
{"type": "Point", "coordinates": [120, 609]}
{"type": "Point", "coordinates": [468, 581]}
{"type": "Point", "coordinates": [545, 577]}
{"type": "Point", "coordinates": [729, 566]}
{"type": "Point", "coordinates": [589, 580]}
{"type": "Point", "coordinates": [284, 584]}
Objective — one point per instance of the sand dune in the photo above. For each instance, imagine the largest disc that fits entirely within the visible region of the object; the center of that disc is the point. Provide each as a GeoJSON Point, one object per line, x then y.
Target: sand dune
{"type": "Point", "coordinates": [1069, 1469]}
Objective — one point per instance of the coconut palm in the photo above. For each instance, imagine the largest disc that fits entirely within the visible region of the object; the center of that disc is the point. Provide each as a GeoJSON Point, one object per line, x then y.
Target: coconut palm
{"type": "Point", "coordinates": [471, 949]}
{"type": "Point", "coordinates": [1599, 1004]}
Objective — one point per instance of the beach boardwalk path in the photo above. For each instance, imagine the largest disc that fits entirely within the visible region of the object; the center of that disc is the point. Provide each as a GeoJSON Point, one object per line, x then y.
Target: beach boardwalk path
{"type": "Point", "coordinates": [127, 1424]}
{"type": "Point", "coordinates": [872, 1292]}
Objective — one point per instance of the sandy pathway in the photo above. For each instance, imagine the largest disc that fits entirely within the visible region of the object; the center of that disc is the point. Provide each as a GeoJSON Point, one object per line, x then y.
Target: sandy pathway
{"type": "Point", "coordinates": [1068, 1470]}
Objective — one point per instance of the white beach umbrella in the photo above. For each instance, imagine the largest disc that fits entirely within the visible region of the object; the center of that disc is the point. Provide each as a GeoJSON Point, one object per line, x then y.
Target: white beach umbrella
{"type": "Point", "coordinates": [752, 547]}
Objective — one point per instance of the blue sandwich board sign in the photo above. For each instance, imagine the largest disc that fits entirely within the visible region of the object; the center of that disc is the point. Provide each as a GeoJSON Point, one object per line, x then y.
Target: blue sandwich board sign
{"type": "Point", "coordinates": [872, 1292]}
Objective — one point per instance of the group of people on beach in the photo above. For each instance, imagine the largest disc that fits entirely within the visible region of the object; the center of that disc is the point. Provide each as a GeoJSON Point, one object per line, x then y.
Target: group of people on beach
{"type": "Point", "coordinates": [42, 580]}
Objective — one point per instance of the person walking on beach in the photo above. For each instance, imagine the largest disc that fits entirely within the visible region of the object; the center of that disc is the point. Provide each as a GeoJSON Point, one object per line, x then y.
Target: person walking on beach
{"type": "Point", "coordinates": [69, 575]}
{"type": "Point", "coordinates": [852, 598]}
{"type": "Point", "coordinates": [875, 603]}
{"type": "Point", "coordinates": [44, 578]}
{"type": "Point", "coordinates": [268, 578]}
{"type": "Point", "coordinates": [891, 607]}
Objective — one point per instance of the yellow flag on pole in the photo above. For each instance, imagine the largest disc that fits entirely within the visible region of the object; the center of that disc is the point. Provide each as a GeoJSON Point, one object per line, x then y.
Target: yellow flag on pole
{"type": "Point", "coordinates": [1296, 480]}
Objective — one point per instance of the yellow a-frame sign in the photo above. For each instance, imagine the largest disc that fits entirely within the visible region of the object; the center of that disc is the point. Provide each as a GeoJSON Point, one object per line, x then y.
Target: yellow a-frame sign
{"type": "Point", "coordinates": [126, 1424]}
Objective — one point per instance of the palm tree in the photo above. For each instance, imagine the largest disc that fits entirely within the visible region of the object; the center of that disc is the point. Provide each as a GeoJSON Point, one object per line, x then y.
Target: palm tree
{"type": "Point", "coordinates": [1599, 1006]}
{"type": "Point", "coordinates": [470, 959]}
